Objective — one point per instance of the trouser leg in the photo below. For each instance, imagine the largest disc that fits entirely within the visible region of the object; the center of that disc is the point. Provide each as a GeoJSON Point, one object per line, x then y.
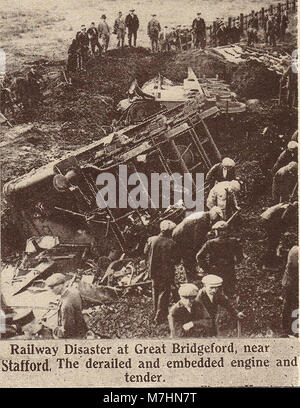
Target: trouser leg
{"type": "Point", "coordinates": [163, 300]}
{"type": "Point", "coordinates": [130, 38]}
{"type": "Point", "coordinates": [134, 38]}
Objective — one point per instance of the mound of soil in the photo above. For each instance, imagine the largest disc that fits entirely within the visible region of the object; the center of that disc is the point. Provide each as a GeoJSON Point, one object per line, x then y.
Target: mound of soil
{"type": "Point", "coordinates": [253, 80]}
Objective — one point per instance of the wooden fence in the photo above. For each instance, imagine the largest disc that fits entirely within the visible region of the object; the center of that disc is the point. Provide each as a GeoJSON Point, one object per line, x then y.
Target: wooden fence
{"type": "Point", "coordinates": [289, 5]}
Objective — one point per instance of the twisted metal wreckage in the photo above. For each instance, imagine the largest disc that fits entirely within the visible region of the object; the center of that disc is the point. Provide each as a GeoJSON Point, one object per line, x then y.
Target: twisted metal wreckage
{"type": "Point", "coordinates": [56, 212]}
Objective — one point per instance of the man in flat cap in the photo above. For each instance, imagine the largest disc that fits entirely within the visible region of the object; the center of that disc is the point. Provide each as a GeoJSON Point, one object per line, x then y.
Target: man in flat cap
{"type": "Point", "coordinates": [163, 255]}
{"type": "Point", "coordinates": [191, 234]}
{"type": "Point", "coordinates": [104, 33]}
{"type": "Point", "coordinates": [211, 297]}
{"type": "Point", "coordinates": [285, 182]}
{"type": "Point", "coordinates": [71, 323]}
{"type": "Point", "coordinates": [153, 31]}
{"type": "Point", "coordinates": [199, 30]}
{"type": "Point", "coordinates": [132, 24]}
{"type": "Point", "coordinates": [290, 154]}
{"type": "Point", "coordinates": [290, 284]}
{"type": "Point", "coordinates": [276, 220]}
{"type": "Point", "coordinates": [188, 318]}
{"type": "Point", "coordinates": [224, 171]}
{"type": "Point", "coordinates": [219, 256]}
{"type": "Point", "coordinates": [83, 46]}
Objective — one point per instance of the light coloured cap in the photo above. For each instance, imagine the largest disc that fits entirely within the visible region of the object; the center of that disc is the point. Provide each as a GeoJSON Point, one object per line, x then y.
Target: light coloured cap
{"type": "Point", "coordinates": [212, 280]}
{"type": "Point", "coordinates": [228, 162]}
{"type": "Point", "coordinates": [55, 279]}
{"type": "Point", "coordinates": [293, 166]}
{"type": "Point", "coordinates": [188, 290]}
{"type": "Point", "coordinates": [234, 185]}
{"type": "Point", "coordinates": [292, 145]}
{"type": "Point", "coordinates": [167, 225]}
{"type": "Point", "coordinates": [220, 225]}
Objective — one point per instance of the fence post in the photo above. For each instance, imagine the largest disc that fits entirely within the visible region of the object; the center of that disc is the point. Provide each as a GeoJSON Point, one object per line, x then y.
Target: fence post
{"type": "Point", "coordinates": [214, 30]}
{"type": "Point", "coordinates": [210, 34]}
{"type": "Point", "coordinates": [242, 22]}
{"type": "Point", "coordinates": [294, 6]}
{"type": "Point", "coordinates": [279, 8]}
{"type": "Point", "coordinates": [262, 16]}
{"type": "Point", "coordinates": [271, 9]}
{"type": "Point", "coordinates": [287, 5]}
{"type": "Point", "coordinates": [229, 22]}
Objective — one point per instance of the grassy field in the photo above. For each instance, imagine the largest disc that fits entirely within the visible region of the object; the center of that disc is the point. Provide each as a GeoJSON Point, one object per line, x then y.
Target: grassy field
{"type": "Point", "coordinates": [44, 29]}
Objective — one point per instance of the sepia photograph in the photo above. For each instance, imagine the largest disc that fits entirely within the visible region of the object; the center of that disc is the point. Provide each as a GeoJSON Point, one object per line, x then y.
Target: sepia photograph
{"type": "Point", "coordinates": [149, 172]}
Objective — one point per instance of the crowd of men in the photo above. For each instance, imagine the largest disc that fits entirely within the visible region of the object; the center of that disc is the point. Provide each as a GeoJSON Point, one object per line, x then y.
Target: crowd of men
{"type": "Point", "coordinates": [207, 246]}
{"type": "Point", "coordinates": [96, 39]}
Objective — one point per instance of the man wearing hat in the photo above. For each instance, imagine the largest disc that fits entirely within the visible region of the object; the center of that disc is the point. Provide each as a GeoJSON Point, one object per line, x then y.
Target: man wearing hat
{"type": "Point", "coordinates": [288, 155]}
{"type": "Point", "coordinates": [224, 171]}
{"type": "Point", "coordinates": [71, 324]}
{"type": "Point", "coordinates": [153, 31]}
{"type": "Point", "coordinates": [104, 32]}
{"type": "Point", "coordinates": [191, 234]}
{"type": "Point", "coordinates": [83, 46]}
{"type": "Point", "coordinates": [199, 30]}
{"type": "Point", "coordinates": [132, 24]}
{"type": "Point", "coordinates": [120, 29]}
{"type": "Point", "coordinates": [219, 255]}
{"type": "Point", "coordinates": [211, 297]}
{"type": "Point", "coordinates": [188, 318]}
{"type": "Point", "coordinates": [285, 182]}
{"type": "Point", "coordinates": [276, 220]}
{"type": "Point", "coordinates": [163, 256]}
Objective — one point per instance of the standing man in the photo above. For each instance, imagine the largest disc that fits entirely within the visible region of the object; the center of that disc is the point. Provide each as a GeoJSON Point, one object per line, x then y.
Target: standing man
{"type": "Point", "coordinates": [222, 34]}
{"type": "Point", "coordinates": [290, 284]}
{"type": "Point", "coordinates": [132, 24]}
{"type": "Point", "coordinates": [104, 33]}
{"type": "Point", "coordinates": [219, 256]}
{"type": "Point", "coordinates": [191, 234]}
{"type": "Point", "coordinates": [71, 323]}
{"type": "Point", "coordinates": [211, 297]}
{"type": "Point", "coordinates": [83, 47]}
{"type": "Point", "coordinates": [188, 318]}
{"type": "Point", "coordinates": [153, 31]}
{"type": "Point", "coordinates": [284, 21]}
{"type": "Point", "coordinates": [163, 256]}
{"type": "Point", "coordinates": [199, 30]}
{"type": "Point", "coordinates": [120, 29]}
{"type": "Point", "coordinates": [93, 35]}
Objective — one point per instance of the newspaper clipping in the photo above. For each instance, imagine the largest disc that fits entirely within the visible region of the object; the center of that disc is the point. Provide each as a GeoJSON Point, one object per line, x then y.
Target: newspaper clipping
{"type": "Point", "coordinates": [149, 195]}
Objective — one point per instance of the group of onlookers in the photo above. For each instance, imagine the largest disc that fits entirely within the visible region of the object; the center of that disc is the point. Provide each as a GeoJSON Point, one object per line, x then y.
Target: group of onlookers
{"type": "Point", "coordinates": [96, 39]}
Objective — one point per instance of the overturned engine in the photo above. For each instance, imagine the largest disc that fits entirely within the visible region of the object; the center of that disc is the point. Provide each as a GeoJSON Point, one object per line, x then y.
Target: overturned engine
{"type": "Point", "coordinates": [60, 199]}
